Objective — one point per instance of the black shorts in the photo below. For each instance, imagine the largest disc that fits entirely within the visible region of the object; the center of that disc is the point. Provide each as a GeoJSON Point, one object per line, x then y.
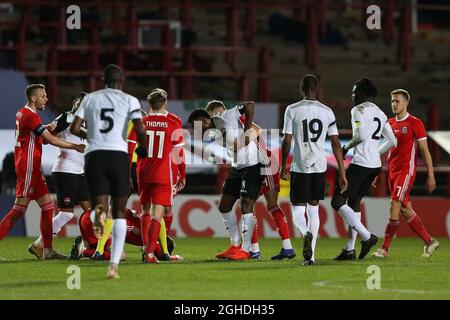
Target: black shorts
{"type": "Point", "coordinates": [244, 183]}
{"type": "Point", "coordinates": [359, 181]}
{"type": "Point", "coordinates": [107, 173]}
{"type": "Point", "coordinates": [70, 189]}
{"type": "Point", "coordinates": [307, 187]}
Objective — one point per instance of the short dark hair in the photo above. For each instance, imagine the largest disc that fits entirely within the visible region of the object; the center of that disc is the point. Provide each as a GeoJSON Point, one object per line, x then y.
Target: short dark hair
{"type": "Point", "coordinates": [112, 73]}
{"type": "Point", "coordinates": [29, 90]}
{"type": "Point", "coordinates": [214, 104]}
{"type": "Point", "coordinates": [309, 83]}
{"type": "Point", "coordinates": [198, 114]}
{"type": "Point", "coordinates": [403, 92]}
{"type": "Point", "coordinates": [367, 87]}
{"type": "Point", "coordinates": [157, 98]}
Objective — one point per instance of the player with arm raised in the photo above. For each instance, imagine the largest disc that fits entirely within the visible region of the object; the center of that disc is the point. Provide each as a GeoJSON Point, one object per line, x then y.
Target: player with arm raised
{"type": "Point", "coordinates": [308, 122]}
{"type": "Point", "coordinates": [270, 190]}
{"type": "Point", "coordinates": [68, 172]}
{"type": "Point", "coordinates": [369, 123]}
{"type": "Point", "coordinates": [106, 113]}
{"type": "Point", "coordinates": [155, 171]}
{"type": "Point", "coordinates": [411, 135]}
{"type": "Point", "coordinates": [245, 177]}
{"type": "Point", "coordinates": [31, 185]}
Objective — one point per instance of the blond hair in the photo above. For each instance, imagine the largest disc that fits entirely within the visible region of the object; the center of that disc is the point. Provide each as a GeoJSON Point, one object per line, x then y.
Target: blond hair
{"type": "Point", "coordinates": [403, 92]}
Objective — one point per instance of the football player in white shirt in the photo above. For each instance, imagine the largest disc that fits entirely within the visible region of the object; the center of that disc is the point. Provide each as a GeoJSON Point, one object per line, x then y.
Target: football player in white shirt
{"type": "Point", "coordinates": [106, 113]}
{"type": "Point", "coordinates": [369, 123]}
{"type": "Point", "coordinates": [245, 177]}
{"type": "Point", "coordinates": [270, 191]}
{"type": "Point", "coordinates": [68, 172]}
{"type": "Point", "coordinates": [308, 122]}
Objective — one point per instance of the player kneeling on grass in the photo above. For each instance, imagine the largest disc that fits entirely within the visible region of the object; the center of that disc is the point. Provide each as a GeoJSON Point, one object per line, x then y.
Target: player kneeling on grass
{"type": "Point", "coordinates": [86, 244]}
{"type": "Point", "coordinates": [410, 133]}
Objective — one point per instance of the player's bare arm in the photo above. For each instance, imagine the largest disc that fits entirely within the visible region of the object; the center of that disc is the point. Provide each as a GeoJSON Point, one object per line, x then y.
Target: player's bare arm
{"type": "Point", "coordinates": [285, 149]}
{"type": "Point", "coordinates": [338, 154]}
{"type": "Point", "coordinates": [140, 131]}
{"type": "Point", "coordinates": [75, 128]}
{"type": "Point", "coordinates": [430, 184]}
{"type": "Point", "coordinates": [54, 140]}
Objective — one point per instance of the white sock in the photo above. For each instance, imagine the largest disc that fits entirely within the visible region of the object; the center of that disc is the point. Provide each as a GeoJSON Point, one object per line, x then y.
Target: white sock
{"type": "Point", "coordinates": [118, 240]}
{"type": "Point", "coordinates": [352, 220]}
{"type": "Point", "coordinates": [248, 224]}
{"type": "Point", "coordinates": [58, 222]}
{"type": "Point", "coordinates": [254, 247]}
{"type": "Point", "coordinates": [314, 224]}
{"type": "Point", "coordinates": [286, 243]}
{"type": "Point", "coordinates": [298, 216]}
{"type": "Point", "coordinates": [352, 234]}
{"type": "Point", "coordinates": [230, 221]}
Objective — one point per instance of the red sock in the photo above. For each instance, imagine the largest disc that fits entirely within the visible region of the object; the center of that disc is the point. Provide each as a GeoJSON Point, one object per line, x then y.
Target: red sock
{"type": "Point", "coordinates": [154, 235]}
{"type": "Point", "coordinates": [281, 222]}
{"type": "Point", "coordinates": [416, 225]}
{"type": "Point", "coordinates": [145, 228]}
{"type": "Point", "coordinates": [47, 224]}
{"type": "Point", "coordinates": [158, 251]}
{"type": "Point", "coordinates": [88, 253]}
{"type": "Point", "coordinates": [8, 221]}
{"type": "Point", "coordinates": [106, 255]}
{"type": "Point", "coordinates": [255, 231]}
{"type": "Point", "coordinates": [168, 220]}
{"type": "Point", "coordinates": [389, 233]}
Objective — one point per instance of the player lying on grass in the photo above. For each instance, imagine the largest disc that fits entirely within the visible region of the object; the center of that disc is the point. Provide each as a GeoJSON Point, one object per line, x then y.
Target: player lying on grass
{"type": "Point", "coordinates": [31, 185]}
{"type": "Point", "coordinates": [410, 133]}
{"type": "Point", "coordinates": [86, 244]}
{"type": "Point", "coordinates": [270, 190]}
{"type": "Point", "coordinates": [246, 175]}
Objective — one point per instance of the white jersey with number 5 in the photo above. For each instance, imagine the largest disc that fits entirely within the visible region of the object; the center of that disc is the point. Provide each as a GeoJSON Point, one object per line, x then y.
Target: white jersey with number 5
{"type": "Point", "coordinates": [309, 122]}
{"type": "Point", "coordinates": [372, 124]}
{"type": "Point", "coordinates": [107, 113]}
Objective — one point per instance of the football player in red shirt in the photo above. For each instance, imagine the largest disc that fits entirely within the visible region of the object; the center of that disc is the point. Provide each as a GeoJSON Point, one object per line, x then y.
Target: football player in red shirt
{"type": "Point", "coordinates": [411, 135]}
{"type": "Point", "coordinates": [86, 244]}
{"type": "Point", "coordinates": [178, 170]}
{"type": "Point", "coordinates": [31, 185]}
{"type": "Point", "coordinates": [155, 171]}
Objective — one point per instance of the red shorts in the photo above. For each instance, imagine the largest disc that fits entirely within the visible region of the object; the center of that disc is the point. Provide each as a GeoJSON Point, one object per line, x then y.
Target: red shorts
{"type": "Point", "coordinates": [154, 193]}
{"type": "Point", "coordinates": [400, 186]}
{"type": "Point", "coordinates": [271, 182]}
{"type": "Point", "coordinates": [32, 186]}
{"type": "Point", "coordinates": [87, 231]}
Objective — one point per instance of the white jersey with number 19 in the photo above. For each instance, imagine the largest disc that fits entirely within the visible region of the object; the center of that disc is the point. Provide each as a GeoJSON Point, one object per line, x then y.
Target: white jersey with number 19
{"type": "Point", "coordinates": [107, 113]}
{"type": "Point", "coordinates": [309, 122]}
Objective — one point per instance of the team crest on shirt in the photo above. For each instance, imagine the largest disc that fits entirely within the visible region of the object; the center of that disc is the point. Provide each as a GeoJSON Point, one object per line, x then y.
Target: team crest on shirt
{"type": "Point", "coordinates": [405, 130]}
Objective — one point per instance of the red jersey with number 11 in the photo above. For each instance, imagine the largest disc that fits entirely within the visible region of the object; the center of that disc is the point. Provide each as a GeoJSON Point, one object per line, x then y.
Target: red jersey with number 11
{"type": "Point", "coordinates": [163, 135]}
{"type": "Point", "coordinates": [402, 159]}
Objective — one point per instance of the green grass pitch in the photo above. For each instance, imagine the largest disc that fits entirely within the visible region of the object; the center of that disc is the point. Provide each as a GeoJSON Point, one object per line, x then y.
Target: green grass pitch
{"type": "Point", "coordinates": [404, 275]}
